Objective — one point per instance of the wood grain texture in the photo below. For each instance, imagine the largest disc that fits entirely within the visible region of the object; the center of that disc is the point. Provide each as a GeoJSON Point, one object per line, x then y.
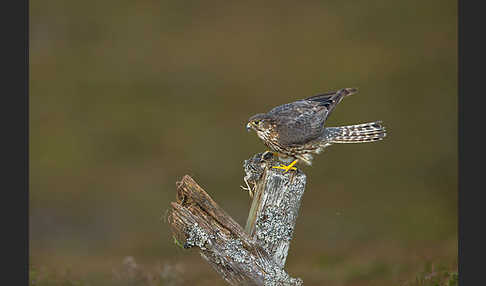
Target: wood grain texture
{"type": "Point", "coordinates": [256, 257]}
{"type": "Point", "coordinates": [274, 210]}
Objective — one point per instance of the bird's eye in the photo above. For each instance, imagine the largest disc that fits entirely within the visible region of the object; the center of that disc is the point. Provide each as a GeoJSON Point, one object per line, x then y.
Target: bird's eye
{"type": "Point", "coordinates": [256, 122]}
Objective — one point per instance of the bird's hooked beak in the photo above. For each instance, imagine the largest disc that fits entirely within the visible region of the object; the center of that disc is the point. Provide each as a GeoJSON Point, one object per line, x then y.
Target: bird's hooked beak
{"type": "Point", "coordinates": [248, 127]}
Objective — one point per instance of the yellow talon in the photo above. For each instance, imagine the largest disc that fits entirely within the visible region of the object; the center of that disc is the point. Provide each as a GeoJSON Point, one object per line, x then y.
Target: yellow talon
{"type": "Point", "coordinates": [287, 168]}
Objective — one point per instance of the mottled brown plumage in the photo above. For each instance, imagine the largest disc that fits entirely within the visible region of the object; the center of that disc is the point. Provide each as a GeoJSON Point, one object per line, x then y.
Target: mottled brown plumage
{"type": "Point", "coordinates": [297, 130]}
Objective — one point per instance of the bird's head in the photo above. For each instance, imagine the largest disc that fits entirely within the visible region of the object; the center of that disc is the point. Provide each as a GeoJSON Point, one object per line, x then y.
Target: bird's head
{"type": "Point", "coordinates": [259, 122]}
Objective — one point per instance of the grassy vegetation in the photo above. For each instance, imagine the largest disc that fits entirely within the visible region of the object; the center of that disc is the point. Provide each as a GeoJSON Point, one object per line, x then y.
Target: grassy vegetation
{"type": "Point", "coordinates": [431, 276]}
{"type": "Point", "coordinates": [130, 273]}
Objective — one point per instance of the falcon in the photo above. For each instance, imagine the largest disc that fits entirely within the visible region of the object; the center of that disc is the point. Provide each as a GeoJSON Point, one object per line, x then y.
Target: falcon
{"type": "Point", "coordinates": [296, 131]}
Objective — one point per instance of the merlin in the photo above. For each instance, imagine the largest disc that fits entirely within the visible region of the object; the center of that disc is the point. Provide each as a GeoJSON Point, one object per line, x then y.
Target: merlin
{"type": "Point", "coordinates": [295, 131]}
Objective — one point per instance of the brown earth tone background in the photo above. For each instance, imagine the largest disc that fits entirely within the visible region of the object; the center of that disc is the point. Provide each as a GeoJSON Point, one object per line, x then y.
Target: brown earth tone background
{"type": "Point", "coordinates": [126, 97]}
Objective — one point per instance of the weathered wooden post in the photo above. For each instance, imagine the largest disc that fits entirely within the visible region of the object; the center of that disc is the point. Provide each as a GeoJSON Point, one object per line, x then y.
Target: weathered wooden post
{"type": "Point", "coordinates": [256, 255]}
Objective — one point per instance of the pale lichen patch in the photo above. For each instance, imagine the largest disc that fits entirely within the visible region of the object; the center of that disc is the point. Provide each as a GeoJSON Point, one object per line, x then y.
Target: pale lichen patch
{"type": "Point", "coordinates": [197, 237]}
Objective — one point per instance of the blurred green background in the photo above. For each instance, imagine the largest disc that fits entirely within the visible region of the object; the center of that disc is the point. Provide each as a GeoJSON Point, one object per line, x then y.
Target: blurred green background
{"type": "Point", "coordinates": [126, 97]}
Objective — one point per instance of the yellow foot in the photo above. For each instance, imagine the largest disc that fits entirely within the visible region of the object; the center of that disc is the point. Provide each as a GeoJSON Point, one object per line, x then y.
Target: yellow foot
{"type": "Point", "coordinates": [287, 168]}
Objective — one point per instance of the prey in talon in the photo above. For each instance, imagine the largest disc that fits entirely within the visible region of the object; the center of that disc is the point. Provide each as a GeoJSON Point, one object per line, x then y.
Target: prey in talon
{"type": "Point", "coordinates": [254, 168]}
{"type": "Point", "coordinates": [296, 131]}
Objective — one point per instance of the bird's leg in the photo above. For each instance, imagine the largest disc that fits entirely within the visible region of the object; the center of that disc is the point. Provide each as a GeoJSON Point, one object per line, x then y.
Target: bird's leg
{"type": "Point", "coordinates": [287, 168]}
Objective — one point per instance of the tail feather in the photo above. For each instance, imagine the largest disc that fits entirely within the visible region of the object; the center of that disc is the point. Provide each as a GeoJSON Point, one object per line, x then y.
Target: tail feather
{"type": "Point", "coordinates": [332, 98]}
{"type": "Point", "coordinates": [359, 133]}
{"type": "Point", "coordinates": [324, 97]}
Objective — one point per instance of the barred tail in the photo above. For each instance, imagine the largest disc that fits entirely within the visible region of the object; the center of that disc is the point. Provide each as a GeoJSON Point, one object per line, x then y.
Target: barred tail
{"type": "Point", "coordinates": [359, 133]}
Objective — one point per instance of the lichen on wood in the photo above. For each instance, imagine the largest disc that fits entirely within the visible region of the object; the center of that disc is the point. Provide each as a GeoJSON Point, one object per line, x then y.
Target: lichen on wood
{"type": "Point", "coordinates": [252, 257]}
{"type": "Point", "coordinates": [275, 206]}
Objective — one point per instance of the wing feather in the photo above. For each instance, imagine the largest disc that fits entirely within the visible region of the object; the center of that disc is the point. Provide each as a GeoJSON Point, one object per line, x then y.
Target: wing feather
{"type": "Point", "coordinates": [302, 121]}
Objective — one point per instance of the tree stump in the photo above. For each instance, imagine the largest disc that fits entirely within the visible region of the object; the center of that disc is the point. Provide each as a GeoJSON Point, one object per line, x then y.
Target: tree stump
{"type": "Point", "coordinates": [256, 255]}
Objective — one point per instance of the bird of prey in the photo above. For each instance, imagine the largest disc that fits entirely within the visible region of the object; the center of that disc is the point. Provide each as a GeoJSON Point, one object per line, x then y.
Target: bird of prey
{"type": "Point", "coordinates": [295, 131]}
